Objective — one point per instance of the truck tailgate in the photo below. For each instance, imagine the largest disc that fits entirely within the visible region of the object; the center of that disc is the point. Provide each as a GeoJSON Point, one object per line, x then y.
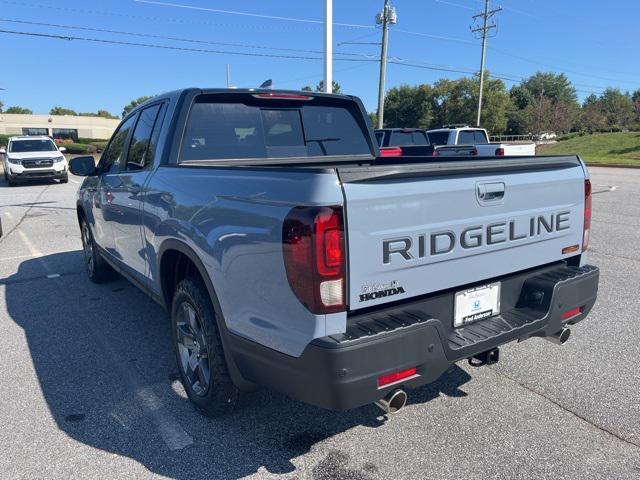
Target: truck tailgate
{"type": "Point", "coordinates": [416, 229]}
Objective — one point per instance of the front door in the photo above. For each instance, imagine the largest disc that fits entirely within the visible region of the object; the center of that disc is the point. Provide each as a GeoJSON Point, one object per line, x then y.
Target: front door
{"type": "Point", "coordinates": [111, 163]}
{"type": "Point", "coordinates": [127, 193]}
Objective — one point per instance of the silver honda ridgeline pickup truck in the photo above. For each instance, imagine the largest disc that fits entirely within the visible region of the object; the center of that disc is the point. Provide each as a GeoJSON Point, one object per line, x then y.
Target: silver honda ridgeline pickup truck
{"type": "Point", "coordinates": [290, 254]}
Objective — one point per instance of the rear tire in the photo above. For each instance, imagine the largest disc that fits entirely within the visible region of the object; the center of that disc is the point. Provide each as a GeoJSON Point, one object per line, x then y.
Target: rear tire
{"type": "Point", "coordinates": [199, 352]}
{"type": "Point", "coordinates": [98, 270]}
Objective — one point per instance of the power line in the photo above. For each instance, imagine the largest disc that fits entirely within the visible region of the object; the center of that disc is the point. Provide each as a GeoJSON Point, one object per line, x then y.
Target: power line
{"type": "Point", "coordinates": [179, 39]}
{"type": "Point", "coordinates": [170, 47]}
{"type": "Point", "coordinates": [248, 14]}
{"type": "Point", "coordinates": [393, 60]}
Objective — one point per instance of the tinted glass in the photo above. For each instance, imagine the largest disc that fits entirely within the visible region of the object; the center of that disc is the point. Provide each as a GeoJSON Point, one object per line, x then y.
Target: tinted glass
{"type": "Point", "coordinates": [480, 137]}
{"type": "Point", "coordinates": [466, 137]}
{"type": "Point", "coordinates": [379, 138]}
{"type": "Point", "coordinates": [140, 149]}
{"type": "Point", "coordinates": [65, 134]}
{"type": "Point", "coordinates": [113, 156]}
{"type": "Point", "coordinates": [34, 131]}
{"type": "Point", "coordinates": [438, 138]}
{"type": "Point", "coordinates": [399, 139]}
{"type": "Point", "coordinates": [244, 130]}
{"type": "Point", "coordinates": [21, 146]}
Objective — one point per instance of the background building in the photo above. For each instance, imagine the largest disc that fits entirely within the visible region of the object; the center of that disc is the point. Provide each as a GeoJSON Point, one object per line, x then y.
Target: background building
{"type": "Point", "coordinates": [59, 127]}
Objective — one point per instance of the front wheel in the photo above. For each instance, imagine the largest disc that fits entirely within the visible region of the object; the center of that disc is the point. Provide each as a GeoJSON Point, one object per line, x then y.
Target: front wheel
{"type": "Point", "coordinates": [65, 179]}
{"type": "Point", "coordinates": [198, 350]}
{"type": "Point", "coordinates": [98, 270]}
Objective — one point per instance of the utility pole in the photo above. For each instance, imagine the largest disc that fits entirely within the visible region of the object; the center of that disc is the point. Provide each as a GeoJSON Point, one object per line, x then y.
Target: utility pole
{"type": "Point", "coordinates": [328, 46]}
{"type": "Point", "coordinates": [228, 76]}
{"type": "Point", "coordinates": [388, 16]}
{"type": "Point", "coordinates": [484, 30]}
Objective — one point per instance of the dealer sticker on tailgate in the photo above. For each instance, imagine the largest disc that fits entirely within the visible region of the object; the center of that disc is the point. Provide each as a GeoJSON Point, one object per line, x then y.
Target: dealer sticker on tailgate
{"type": "Point", "coordinates": [476, 304]}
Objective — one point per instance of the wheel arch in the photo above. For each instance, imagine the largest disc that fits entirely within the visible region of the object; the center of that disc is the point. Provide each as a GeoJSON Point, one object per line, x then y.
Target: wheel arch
{"type": "Point", "coordinates": [170, 254]}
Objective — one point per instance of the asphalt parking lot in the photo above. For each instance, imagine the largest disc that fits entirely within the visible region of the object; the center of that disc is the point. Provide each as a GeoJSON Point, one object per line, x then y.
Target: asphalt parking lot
{"type": "Point", "coordinates": [89, 385]}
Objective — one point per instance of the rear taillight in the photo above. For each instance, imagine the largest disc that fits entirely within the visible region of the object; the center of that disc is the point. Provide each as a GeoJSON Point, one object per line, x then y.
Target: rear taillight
{"type": "Point", "coordinates": [435, 153]}
{"type": "Point", "coordinates": [314, 256]}
{"type": "Point", "coordinates": [499, 152]}
{"type": "Point", "coordinates": [587, 215]}
{"type": "Point", "coordinates": [390, 152]}
{"type": "Point", "coordinates": [474, 152]}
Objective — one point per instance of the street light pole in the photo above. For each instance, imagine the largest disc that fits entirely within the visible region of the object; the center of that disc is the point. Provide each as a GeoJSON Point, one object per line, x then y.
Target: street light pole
{"type": "Point", "coordinates": [328, 46]}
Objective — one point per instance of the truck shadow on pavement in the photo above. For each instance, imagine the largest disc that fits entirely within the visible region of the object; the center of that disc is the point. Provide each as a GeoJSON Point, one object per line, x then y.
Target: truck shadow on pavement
{"type": "Point", "coordinates": [105, 367]}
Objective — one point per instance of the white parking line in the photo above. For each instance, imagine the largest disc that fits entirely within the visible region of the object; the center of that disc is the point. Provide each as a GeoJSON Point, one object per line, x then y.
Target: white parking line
{"type": "Point", "coordinates": [170, 430]}
{"type": "Point", "coordinates": [74, 181]}
{"type": "Point", "coordinates": [33, 250]}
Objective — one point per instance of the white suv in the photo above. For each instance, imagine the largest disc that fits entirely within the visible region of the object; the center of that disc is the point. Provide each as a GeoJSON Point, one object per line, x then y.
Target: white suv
{"type": "Point", "coordinates": [34, 157]}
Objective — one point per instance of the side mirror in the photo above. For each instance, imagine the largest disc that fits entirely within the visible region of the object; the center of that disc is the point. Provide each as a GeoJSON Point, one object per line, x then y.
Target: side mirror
{"type": "Point", "coordinates": [83, 166]}
{"type": "Point", "coordinates": [62, 149]}
{"type": "Point", "coordinates": [3, 150]}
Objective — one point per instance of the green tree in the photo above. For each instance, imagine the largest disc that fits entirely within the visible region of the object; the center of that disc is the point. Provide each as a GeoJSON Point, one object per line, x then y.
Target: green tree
{"type": "Point", "coordinates": [556, 87]}
{"type": "Point", "coordinates": [617, 108]}
{"type": "Point", "coordinates": [456, 101]}
{"type": "Point", "coordinates": [1, 105]}
{"type": "Point", "coordinates": [62, 111]}
{"type": "Point", "coordinates": [408, 106]}
{"type": "Point", "coordinates": [544, 102]}
{"type": "Point", "coordinates": [320, 87]}
{"type": "Point", "coordinates": [591, 117]}
{"type": "Point", "coordinates": [20, 110]}
{"type": "Point", "coordinates": [133, 104]}
{"type": "Point", "coordinates": [635, 98]}
{"type": "Point", "coordinates": [99, 113]}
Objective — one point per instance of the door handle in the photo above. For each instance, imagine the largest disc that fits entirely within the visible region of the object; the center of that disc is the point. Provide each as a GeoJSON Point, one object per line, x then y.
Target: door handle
{"type": "Point", "coordinates": [135, 189]}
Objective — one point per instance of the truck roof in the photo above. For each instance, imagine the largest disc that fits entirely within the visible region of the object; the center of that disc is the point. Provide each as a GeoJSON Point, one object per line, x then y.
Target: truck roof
{"type": "Point", "coordinates": [29, 137]}
{"type": "Point", "coordinates": [176, 94]}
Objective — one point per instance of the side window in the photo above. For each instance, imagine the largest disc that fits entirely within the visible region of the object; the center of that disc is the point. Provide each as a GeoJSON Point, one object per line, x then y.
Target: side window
{"type": "Point", "coordinates": [141, 147]}
{"type": "Point", "coordinates": [113, 157]}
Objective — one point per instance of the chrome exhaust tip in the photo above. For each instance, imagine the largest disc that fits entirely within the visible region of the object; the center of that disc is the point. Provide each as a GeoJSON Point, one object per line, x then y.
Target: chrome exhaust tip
{"type": "Point", "coordinates": [561, 337]}
{"type": "Point", "coordinates": [393, 402]}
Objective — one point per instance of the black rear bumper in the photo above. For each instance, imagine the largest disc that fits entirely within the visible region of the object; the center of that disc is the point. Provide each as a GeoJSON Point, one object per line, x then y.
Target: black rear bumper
{"type": "Point", "coordinates": [341, 372]}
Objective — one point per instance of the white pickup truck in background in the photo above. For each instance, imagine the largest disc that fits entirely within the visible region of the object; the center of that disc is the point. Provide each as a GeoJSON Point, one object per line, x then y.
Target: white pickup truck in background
{"type": "Point", "coordinates": [465, 135]}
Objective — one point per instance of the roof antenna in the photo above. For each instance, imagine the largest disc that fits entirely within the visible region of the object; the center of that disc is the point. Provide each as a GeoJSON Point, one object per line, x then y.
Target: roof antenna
{"type": "Point", "coordinates": [267, 84]}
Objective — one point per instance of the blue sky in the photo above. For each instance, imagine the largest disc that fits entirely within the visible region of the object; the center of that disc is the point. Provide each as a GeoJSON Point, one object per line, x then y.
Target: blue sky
{"type": "Point", "coordinates": [594, 43]}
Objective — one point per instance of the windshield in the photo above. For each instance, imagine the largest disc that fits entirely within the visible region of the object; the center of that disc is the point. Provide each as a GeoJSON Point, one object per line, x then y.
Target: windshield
{"type": "Point", "coordinates": [39, 145]}
{"type": "Point", "coordinates": [219, 129]}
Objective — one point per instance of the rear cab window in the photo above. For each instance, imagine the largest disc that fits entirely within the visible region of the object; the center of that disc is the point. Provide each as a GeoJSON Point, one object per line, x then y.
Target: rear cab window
{"type": "Point", "coordinates": [439, 138]}
{"type": "Point", "coordinates": [223, 127]}
{"type": "Point", "coordinates": [408, 138]}
{"type": "Point", "coordinates": [472, 137]}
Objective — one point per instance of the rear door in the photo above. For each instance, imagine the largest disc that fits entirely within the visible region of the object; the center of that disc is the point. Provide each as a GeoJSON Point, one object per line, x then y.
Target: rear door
{"type": "Point", "coordinates": [413, 230]}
